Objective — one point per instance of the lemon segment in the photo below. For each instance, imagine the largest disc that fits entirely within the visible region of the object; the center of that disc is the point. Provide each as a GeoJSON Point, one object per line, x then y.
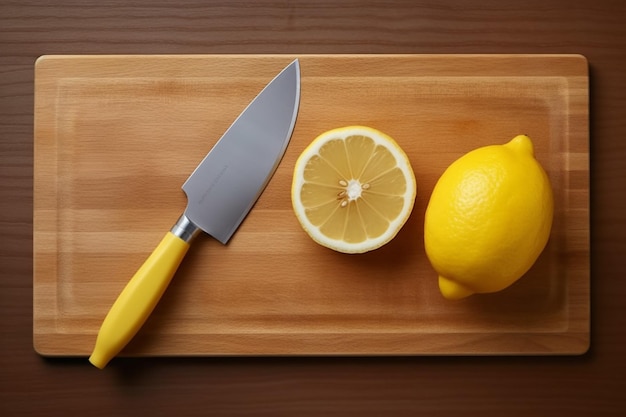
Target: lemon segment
{"type": "Point", "coordinates": [488, 219]}
{"type": "Point", "coordinates": [353, 189]}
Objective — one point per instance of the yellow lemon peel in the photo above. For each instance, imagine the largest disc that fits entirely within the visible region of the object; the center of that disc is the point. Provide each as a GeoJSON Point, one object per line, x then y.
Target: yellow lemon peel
{"type": "Point", "coordinates": [488, 219]}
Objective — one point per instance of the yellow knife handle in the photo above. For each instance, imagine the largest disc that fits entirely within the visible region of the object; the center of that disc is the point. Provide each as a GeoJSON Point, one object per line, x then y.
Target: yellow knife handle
{"type": "Point", "coordinates": [138, 299]}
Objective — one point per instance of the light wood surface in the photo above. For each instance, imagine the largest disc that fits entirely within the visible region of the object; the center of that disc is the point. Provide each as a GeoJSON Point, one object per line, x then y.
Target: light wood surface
{"type": "Point", "coordinates": [116, 136]}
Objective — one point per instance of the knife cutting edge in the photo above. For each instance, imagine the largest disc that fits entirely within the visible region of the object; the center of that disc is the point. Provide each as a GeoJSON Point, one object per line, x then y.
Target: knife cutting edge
{"type": "Point", "coordinates": [220, 193]}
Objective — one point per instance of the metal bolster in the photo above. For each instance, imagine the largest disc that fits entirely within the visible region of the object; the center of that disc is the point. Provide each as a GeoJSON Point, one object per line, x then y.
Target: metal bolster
{"type": "Point", "coordinates": [185, 229]}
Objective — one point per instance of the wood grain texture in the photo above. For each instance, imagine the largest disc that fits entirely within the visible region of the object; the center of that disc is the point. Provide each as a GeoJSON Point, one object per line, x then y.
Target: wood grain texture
{"type": "Point", "coordinates": [115, 137]}
{"type": "Point", "coordinates": [591, 384]}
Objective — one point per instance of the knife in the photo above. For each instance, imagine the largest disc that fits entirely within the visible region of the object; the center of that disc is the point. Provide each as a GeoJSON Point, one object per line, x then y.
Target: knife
{"type": "Point", "coordinates": [220, 193]}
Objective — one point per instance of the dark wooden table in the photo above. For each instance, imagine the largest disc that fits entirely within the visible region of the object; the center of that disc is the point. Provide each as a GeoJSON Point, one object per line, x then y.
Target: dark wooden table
{"type": "Point", "coordinates": [590, 385]}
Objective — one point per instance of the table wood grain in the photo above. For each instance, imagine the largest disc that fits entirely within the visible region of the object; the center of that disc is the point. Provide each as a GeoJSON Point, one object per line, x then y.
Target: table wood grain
{"type": "Point", "coordinates": [591, 384]}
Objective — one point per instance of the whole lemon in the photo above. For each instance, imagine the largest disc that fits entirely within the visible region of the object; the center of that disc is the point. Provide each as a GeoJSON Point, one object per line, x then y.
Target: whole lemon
{"type": "Point", "coordinates": [488, 219]}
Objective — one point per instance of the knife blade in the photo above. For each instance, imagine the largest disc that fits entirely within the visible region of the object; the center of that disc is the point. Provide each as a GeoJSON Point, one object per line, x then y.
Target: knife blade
{"type": "Point", "coordinates": [220, 193]}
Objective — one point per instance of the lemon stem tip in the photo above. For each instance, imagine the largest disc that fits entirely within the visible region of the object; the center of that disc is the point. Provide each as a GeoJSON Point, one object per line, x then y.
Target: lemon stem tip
{"type": "Point", "coordinates": [453, 290]}
{"type": "Point", "coordinates": [522, 143]}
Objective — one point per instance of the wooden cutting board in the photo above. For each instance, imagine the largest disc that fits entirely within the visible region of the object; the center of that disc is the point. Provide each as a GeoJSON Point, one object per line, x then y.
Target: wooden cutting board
{"type": "Point", "coordinates": [116, 136]}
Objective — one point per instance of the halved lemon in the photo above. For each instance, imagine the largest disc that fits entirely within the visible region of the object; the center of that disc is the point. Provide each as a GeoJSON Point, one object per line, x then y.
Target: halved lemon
{"type": "Point", "coordinates": [353, 189]}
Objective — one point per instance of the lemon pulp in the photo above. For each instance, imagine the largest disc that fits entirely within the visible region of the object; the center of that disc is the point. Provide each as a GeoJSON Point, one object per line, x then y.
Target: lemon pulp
{"type": "Point", "coordinates": [353, 189]}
